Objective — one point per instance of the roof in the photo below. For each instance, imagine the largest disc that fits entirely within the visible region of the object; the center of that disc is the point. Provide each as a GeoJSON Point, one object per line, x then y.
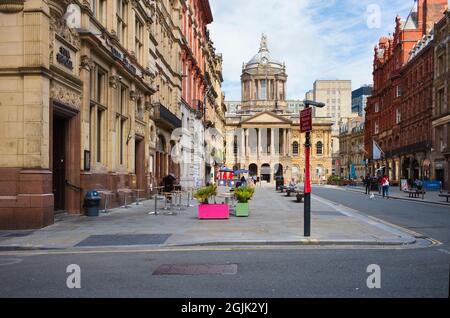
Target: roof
{"type": "Point", "coordinates": [264, 57]}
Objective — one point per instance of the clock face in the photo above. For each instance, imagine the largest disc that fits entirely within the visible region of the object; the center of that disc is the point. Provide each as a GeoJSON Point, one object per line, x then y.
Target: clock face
{"type": "Point", "coordinates": [264, 60]}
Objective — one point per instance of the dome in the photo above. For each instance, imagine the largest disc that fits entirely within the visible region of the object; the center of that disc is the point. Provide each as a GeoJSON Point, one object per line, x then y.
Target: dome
{"type": "Point", "coordinates": [263, 57]}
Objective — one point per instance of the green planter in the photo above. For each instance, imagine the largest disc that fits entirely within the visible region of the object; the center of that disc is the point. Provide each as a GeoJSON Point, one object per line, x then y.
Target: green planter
{"type": "Point", "coordinates": [242, 209]}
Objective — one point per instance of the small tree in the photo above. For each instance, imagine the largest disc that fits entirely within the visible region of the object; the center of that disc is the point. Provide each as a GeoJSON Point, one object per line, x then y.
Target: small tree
{"type": "Point", "coordinates": [203, 194]}
{"type": "Point", "coordinates": [243, 194]}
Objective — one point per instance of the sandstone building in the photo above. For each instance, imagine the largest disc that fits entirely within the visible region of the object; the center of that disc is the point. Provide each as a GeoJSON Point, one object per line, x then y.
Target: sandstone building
{"type": "Point", "coordinates": [90, 97]}
{"type": "Point", "coordinates": [263, 134]}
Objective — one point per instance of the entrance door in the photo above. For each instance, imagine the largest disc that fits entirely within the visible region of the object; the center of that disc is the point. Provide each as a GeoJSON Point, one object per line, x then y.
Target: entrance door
{"type": "Point", "coordinates": [59, 162]}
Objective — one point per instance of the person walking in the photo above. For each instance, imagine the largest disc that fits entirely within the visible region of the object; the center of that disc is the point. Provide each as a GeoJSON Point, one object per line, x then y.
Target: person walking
{"type": "Point", "coordinates": [385, 184]}
{"type": "Point", "coordinates": [367, 183]}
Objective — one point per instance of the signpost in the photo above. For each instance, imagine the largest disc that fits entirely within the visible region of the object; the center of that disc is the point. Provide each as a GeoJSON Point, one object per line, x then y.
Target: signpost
{"type": "Point", "coordinates": [306, 127]}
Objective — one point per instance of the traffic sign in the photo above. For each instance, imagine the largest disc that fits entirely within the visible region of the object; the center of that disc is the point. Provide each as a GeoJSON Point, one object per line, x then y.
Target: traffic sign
{"type": "Point", "coordinates": [306, 120]}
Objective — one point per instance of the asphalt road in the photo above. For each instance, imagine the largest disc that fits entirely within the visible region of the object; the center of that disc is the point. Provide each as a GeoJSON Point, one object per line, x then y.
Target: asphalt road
{"type": "Point", "coordinates": [261, 272]}
{"type": "Point", "coordinates": [429, 219]}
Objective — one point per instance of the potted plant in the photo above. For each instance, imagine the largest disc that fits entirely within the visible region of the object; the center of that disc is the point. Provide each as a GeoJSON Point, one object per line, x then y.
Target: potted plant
{"type": "Point", "coordinates": [210, 211]}
{"type": "Point", "coordinates": [243, 195]}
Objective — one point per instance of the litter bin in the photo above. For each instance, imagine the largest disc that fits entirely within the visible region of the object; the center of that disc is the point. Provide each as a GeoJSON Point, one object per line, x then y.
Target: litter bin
{"type": "Point", "coordinates": [92, 203]}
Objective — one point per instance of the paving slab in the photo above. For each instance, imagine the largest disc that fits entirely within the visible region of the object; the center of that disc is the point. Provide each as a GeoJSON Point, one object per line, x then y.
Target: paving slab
{"type": "Point", "coordinates": [274, 219]}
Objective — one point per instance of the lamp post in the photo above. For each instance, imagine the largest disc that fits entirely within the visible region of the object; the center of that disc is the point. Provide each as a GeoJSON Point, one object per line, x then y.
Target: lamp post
{"type": "Point", "coordinates": [306, 126]}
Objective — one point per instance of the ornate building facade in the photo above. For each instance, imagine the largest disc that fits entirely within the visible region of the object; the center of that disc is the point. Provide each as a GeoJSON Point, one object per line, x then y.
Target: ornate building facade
{"type": "Point", "coordinates": [351, 148]}
{"type": "Point", "coordinates": [398, 115]}
{"type": "Point", "coordinates": [263, 134]}
{"type": "Point", "coordinates": [90, 97]}
{"type": "Point", "coordinates": [441, 105]}
{"type": "Point", "coordinates": [196, 15]}
{"type": "Point", "coordinates": [75, 106]}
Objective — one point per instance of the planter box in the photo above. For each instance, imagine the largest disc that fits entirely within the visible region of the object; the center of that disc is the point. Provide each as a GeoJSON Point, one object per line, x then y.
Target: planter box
{"type": "Point", "coordinates": [242, 209]}
{"type": "Point", "coordinates": [213, 211]}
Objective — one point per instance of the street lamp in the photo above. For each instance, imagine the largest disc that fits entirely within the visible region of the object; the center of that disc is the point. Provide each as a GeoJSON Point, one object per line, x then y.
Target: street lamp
{"type": "Point", "coordinates": [307, 205]}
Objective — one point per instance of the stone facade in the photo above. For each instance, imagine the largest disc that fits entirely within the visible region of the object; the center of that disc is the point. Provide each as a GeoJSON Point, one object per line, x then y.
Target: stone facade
{"type": "Point", "coordinates": [90, 100]}
{"type": "Point", "coordinates": [441, 106]}
{"type": "Point", "coordinates": [351, 148]}
{"type": "Point", "coordinates": [263, 134]}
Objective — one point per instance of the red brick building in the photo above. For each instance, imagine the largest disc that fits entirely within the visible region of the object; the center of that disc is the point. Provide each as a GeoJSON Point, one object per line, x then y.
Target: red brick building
{"type": "Point", "coordinates": [196, 16]}
{"type": "Point", "coordinates": [398, 115]}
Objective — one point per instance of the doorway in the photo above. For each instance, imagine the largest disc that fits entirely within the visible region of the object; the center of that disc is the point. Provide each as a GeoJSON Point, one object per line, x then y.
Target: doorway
{"type": "Point", "coordinates": [265, 172]}
{"type": "Point", "coordinates": [139, 162]}
{"type": "Point", "coordinates": [59, 162]}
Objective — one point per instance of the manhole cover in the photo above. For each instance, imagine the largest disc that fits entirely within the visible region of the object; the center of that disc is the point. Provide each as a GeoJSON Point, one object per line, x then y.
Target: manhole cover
{"type": "Point", "coordinates": [124, 239]}
{"type": "Point", "coordinates": [196, 269]}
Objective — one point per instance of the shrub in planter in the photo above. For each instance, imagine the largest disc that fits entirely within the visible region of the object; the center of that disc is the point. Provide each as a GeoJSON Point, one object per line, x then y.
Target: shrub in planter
{"type": "Point", "coordinates": [243, 195]}
{"type": "Point", "coordinates": [210, 211]}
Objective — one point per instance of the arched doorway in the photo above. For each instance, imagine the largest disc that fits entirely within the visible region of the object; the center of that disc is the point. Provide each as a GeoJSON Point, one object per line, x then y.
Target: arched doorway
{"type": "Point", "coordinates": [278, 170]}
{"type": "Point", "coordinates": [265, 172]}
{"type": "Point", "coordinates": [253, 170]}
{"type": "Point", "coordinates": [415, 169]}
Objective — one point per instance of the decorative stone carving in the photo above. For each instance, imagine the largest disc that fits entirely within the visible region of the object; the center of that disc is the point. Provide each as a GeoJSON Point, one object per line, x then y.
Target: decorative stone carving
{"type": "Point", "coordinates": [114, 81]}
{"type": "Point", "coordinates": [58, 26]}
{"type": "Point", "coordinates": [86, 63]}
{"type": "Point", "coordinates": [11, 6]}
{"type": "Point", "coordinates": [133, 96]}
{"type": "Point", "coordinates": [148, 106]}
{"type": "Point", "coordinates": [140, 129]}
{"type": "Point", "coordinates": [65, 95]}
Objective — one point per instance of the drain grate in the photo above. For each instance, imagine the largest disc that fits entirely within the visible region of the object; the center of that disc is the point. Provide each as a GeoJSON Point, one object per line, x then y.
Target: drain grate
{"type": "Point", "coordinates": [124, 240]}
{"type": "Point", "coordinates": [196, 269]}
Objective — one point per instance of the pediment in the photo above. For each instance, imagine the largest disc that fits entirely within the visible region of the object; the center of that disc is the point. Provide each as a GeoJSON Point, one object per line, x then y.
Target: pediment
{"type": "Point", "coordinates": [266, 118]}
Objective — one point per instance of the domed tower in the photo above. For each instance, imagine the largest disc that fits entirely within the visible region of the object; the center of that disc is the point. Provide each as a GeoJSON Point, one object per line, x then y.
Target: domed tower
{"type": "Point", "coordinates": [264, 82]}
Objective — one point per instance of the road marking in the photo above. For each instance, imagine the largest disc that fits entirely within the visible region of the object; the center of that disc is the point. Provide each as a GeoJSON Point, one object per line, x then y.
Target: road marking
{"type": "Point", "coordinates": [10, 261]}
{"type": "Point", "coordinates": [377, 220]}
{"type": "Point", "coordinates": [444, 251]}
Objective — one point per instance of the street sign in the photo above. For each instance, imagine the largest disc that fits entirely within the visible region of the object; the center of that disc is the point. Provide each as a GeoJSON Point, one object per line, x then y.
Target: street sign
{"type": "Point", "coordinates": [306, 120]}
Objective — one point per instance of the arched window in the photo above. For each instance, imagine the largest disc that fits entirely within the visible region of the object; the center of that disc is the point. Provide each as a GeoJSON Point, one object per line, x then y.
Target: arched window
{"type": "Point", "coordinates": [319, 148]}
{"type": "Point", "coordinates": [295, 148]}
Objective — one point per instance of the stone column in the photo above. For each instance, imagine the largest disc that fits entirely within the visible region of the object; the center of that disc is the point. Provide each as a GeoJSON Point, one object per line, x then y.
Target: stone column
{"type": "Point", "coordinates": [258, 149]}
{"type": "Point", "coordinates": [272, 142]}
{"type": "Point", "coordinates": [247, 144]}
{"type": "Point", "coordinates": [242, 146]}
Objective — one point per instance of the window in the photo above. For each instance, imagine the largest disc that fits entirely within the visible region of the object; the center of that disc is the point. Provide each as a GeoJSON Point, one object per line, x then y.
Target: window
{"type": "Point", "coordinates": [98, 9]}
{"type": "Point", "coordinates": [377, 107]}
{"type": "Point", "coordinates": [398, 91]}
{"type": "Point", "coordinates": [295, 148]}
{"type": "Point", "coordinates": [121, 122]}
{"type": "Point", "coordinates": [319, 148]}
{"type": "Point", "coordinates": [398, 116]}
{"type": "Point", "coordinates": [97, 111]}
{"type": "Point", "coordinates": [121, 18]}
{"type": "Point", "coordinates": [138, 40]}
{"type": "Point", "coordinates": [263, 90]}
{"type": "Point", "coordinates": [235, 145]}
{"type": "Point", "coordinates": [376, 130]}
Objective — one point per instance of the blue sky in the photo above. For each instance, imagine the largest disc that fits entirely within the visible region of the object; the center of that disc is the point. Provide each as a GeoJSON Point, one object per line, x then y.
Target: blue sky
{"type": "Point", "coordinates": [317, 39]}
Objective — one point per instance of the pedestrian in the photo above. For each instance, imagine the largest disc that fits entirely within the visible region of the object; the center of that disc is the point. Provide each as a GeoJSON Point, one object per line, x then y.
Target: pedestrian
{"type": "Point", "coordinates": [385, 185]}
{"type": "Point", "coordinates": [367, 184]}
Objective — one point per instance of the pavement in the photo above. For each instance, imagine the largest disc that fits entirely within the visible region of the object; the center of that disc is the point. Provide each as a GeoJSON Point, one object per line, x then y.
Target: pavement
{"type": "Point", "coordinates": [396, 193]}
{"type": "Point", "coordinates": [274, 220]}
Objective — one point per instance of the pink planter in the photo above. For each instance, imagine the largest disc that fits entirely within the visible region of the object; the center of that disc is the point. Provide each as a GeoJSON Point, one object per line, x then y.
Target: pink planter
{"type": "Point", "coordinates": [213, 211]}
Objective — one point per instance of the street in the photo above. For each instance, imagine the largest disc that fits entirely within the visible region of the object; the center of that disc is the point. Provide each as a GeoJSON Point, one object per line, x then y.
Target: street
{"type": "Point", "coordinates": [262, 271]}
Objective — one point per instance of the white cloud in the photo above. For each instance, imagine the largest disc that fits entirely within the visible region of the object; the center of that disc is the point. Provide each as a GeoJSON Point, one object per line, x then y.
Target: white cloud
{"type": "Point", "coordinates": [317, 39]}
